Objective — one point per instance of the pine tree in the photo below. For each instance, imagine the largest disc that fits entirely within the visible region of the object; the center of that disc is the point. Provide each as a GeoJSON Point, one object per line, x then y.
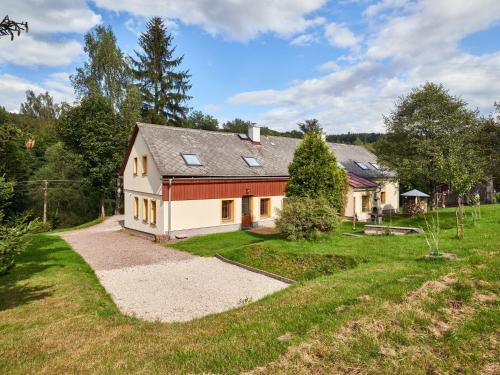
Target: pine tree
{"type": "Point", "coordinates": [163, 87]}
{"type": "Point", "coordinates": [314, 172]}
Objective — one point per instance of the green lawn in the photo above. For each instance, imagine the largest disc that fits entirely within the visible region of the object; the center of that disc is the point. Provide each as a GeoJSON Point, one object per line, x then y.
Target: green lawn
{"type": "Point", "coordinates": [393, 311]}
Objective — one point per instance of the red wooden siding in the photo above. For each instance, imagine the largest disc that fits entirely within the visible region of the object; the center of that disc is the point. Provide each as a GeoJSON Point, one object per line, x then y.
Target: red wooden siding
{"type": "Point", "coordinates": [218, 189]}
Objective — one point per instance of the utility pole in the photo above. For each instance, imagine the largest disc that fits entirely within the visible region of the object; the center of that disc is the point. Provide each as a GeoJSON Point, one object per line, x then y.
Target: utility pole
{"type": "Point", "coordinates": [45, 198]}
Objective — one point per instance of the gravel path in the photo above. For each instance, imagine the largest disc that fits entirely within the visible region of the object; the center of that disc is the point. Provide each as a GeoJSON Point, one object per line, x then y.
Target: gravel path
{"type": "Point", "coordinates": [155, 283]}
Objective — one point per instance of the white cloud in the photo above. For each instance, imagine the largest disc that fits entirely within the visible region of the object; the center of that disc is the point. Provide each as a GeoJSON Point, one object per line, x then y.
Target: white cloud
{"type": "Point", "coordinates": [51, 16]}
{"type": "Point", "coordinates": [340, 36]}
{"type": "Point", "coordinates": [13, 90]}
{"type": "Point", "coordinates": [406, 50]}
{"type": "Point", "coordinates": [28, 50]}
{"type": "Point", "coordinates": [383, 5]}
{"type": "Point", "coordinates": [304, 40]}
{"type": "Point", "coordinates": [234, 19]}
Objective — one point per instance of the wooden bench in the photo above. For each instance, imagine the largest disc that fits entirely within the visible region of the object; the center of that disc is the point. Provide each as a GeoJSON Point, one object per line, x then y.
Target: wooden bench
{"type": "Point", "coordinates": [382, 229]}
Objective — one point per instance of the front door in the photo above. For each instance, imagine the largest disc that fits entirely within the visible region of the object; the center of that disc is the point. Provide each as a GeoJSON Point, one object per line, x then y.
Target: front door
{"type": "Point", "coordinates": [246, 211]}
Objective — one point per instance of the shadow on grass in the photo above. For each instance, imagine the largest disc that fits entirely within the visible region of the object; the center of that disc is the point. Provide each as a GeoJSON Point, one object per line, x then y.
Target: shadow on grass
{"type": "Point", "coordinates": [41, 254]}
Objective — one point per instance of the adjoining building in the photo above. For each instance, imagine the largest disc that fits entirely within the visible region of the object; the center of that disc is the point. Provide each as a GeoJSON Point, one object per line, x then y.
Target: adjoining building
{"type": "Point", "coordinates": [179, 181]}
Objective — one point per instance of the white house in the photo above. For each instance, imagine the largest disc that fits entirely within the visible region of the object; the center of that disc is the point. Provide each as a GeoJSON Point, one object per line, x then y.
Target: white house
{"type": "Point", "coordinates": [187, 181]}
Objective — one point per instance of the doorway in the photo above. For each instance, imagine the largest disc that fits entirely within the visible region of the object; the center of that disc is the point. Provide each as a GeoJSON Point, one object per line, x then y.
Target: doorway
{"type": "Point", "coordinates": [246, 211]}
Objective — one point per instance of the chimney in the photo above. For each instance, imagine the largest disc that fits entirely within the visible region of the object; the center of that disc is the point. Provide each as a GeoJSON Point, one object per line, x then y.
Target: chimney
{"type": "Point", "coordinates": [254, 133]}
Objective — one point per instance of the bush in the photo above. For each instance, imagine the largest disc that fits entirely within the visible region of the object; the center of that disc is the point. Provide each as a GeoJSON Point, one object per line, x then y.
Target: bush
{"type": "Point", "coordinates": [306, 218]}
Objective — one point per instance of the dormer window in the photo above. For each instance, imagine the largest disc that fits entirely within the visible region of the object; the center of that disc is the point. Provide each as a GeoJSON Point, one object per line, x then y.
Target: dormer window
{"type": "Point", "coordinates": [191, 159]}
{"type": "Point", "coordinates": [251, 161]}
{"type": "Point", "coordinates": [361, 165]}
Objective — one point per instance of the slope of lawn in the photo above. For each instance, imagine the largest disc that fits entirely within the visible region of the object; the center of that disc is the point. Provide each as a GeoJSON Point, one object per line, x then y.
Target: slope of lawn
{"type": "Point", "coordinates": [394, 312]}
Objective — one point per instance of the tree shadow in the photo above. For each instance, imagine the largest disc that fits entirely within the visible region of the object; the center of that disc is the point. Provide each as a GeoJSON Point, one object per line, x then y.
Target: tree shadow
{"type": "Point", "coordinates": [41, 254]}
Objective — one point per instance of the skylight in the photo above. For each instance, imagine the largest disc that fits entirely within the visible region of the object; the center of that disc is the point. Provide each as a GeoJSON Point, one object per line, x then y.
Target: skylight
{"type": "Point", "coordinates": [191, 159]}
{"type": "Point", "coordinates": [243, 136]}
{"type": "Point", "coordinates": [339, 164]}
{"type": "Point", "coordinates": [375, 165]}
{"type": "Point", "coordinates": [251, 161]}
{"type": "Point", "coordinates": [361, 165]}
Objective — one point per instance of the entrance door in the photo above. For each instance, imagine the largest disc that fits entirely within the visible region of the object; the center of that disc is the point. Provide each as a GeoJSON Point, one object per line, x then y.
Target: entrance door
{"type": "Point", "coordinates": [246, 211]}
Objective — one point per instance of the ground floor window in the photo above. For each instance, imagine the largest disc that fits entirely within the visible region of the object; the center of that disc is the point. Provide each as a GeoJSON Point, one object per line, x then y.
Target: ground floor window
{"type": "Point", "coordinates": [153, 212]}
{"type": "Point", "coordinates": [365, 203]}
{"type": "Point", "coordinates": [136, 207]}
{"type": "Point", "coordinates": [227, 213]}
{"type": "Point", "coordinates": [265, 207]}
{"type": "Point", "coordinates": [382, 197]}
{"type": "Point", "coordinates": [145, 210]}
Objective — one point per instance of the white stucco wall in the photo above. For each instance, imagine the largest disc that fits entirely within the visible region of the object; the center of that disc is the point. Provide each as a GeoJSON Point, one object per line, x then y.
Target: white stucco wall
{"type": "Point", "coordinates": [147, 186]}
{"type": "Point", "coordinates": [391, 195]}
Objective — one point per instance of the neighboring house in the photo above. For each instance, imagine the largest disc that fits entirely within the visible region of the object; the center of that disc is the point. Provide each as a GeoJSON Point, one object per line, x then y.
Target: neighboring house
{"type": "Point", "coordinates": [187, 181]}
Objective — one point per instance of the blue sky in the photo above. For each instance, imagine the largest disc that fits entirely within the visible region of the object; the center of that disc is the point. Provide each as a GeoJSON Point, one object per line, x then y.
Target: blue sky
{"type": "Point", "coordinates": [276, 62]}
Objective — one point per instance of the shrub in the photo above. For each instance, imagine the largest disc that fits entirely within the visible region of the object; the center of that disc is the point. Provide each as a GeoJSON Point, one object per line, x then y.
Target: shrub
{"type": "Point", "coordinates": [306, 218]}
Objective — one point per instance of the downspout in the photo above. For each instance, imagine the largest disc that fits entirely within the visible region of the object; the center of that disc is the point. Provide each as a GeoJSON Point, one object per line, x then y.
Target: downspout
{"type": "Point", "coordinates": [169, 207]}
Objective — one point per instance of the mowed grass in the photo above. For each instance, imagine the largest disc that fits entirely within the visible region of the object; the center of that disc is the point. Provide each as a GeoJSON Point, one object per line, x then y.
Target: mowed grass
{"type": "Point", "coordinates": [394, 312]}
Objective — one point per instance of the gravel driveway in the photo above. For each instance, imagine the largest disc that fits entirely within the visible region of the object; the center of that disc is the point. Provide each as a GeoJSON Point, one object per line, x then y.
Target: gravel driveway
{"type": "Point", "coordinates": [155, 283]}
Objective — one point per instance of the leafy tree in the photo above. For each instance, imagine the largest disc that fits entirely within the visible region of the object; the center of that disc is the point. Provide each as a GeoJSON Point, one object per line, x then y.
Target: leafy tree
{"type": "Point", "coordinates": [309, 126]}
{"type": "Point", "coordinates": [4, 116]}
{"type": "Point", "coordinates": [71, 203]}
{"type": "Point", "coordinates": [163, 88]}
{"type": "Point", "coordinates": [40, 106]}
{"type": "Point", "coordinates": [199, 120]}
{"type": "Point", "coordinates": [96, 133]}
{"type": "Point", "coordinates": [236, 126]}
{"type": "Point", "coordinates": [431, 139]}
{"type": "Point", "coordinates": [106, 70]}
{"type": "Point", "coordinates": [314, 172]}
{"type": "Point", "coordinates": [130, 109]}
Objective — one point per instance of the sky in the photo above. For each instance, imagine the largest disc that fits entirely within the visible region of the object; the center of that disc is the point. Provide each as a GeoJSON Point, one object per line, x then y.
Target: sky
{"type": "Point", "coordinates": [275, 62]}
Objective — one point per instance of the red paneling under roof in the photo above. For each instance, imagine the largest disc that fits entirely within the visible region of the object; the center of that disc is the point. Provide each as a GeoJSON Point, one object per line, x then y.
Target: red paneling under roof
{"type": "Point", "coordinates": [219, 189]}
{"type": "Point", "coordinates": [359, 182]}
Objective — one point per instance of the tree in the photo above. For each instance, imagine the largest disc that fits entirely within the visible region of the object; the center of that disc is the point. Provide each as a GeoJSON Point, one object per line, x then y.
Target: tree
{"type": "Point", "coordinates": [11, 28]}
{"type": "Point", "coordinates": [96, 133]}
{"type": "Point", "coordinates": [106, 71]}
{"type": "Point", "coordinates": [236, 126]}
{"type": "Point", "coordinates": [163, 88]}
{"type": "Point", "coordinates": [314, 172]}
{"type": "Point", "coordinates": [309, 126]}
{"type": "Point", "coordinates": [199, 120]}
{"type": "Point", "coordinates": [40, 106]}
{"type": "Point", "coordinates": [431, 139]}
{"type": "Point", "coordinates": [130, 109]}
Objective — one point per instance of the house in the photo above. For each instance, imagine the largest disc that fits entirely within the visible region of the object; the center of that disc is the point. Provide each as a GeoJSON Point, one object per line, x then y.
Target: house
{"type": "Point", "coordinates": [179, 181]}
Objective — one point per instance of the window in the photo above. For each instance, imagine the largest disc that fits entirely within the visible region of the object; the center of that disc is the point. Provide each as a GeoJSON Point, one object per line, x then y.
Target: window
{"type": "Point", "coordinates": [243, 136]}
{"type": "Point", "coordinates": [361, 165]}
{"type": "Point", "coordinates": [135, 166]}
{"type": "Point", "coordinates": [365, 203]}
{"type": "Point", "coordinates": [227, 213]}
{"type": "Point", "coordinates": [153, 212]}
{"type": "Point", "coordinates": [375, 165]}
{"type": "Point", "coordinates": [145, 210]}
{"type": "Point", "coordinates": [144, 165]}
{"type": "Point", "coordinates": [382, 197]}
{"type": "Point", "coordinates": [265, 207]}
{"type": "Point", "coordinates": [251, 161]}
{"type": "Point", "coordinates": [191, 159]}
{"type": "Point", "coordinates": [339, 164]}
{"type": "Point", "coordinates": [136, 207]}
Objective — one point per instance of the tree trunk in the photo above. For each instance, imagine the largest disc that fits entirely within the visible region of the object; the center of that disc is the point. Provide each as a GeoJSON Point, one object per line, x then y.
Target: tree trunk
{"type": "Point", "coordinates": [102, 212]}
{"type": "Point", "coordinates": [460, 218]}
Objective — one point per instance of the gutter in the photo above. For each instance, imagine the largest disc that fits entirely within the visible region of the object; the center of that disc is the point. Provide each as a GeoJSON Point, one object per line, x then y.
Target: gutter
{"type": "Point", "coordinates": [169, 178]}
{"type": "Point", "coordinates": [169, 208]}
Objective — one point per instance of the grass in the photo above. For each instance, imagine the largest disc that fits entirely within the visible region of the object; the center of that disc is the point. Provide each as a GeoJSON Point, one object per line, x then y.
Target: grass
{"type": "Point", "coordinates": [395, 312]}
{"type": "Point", "coordinates": [81, 226]}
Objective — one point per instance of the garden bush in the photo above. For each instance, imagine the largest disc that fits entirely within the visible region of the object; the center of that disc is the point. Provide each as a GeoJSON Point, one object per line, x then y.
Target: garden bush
{"type": "Point", "coordinates": [306, 218]}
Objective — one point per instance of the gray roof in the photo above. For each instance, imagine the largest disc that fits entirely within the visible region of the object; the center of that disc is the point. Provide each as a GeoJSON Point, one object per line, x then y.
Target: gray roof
{"type": "Point", "coordinates": [415, 193]}
{"type": "Point", "coordinates": [221, 153]}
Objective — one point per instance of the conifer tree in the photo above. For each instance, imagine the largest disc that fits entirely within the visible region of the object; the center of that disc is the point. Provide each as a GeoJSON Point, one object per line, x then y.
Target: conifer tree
{"type": "Point", "coordinates": [314, 172]}
{"type": "Point", "coordinates": [163, 87]}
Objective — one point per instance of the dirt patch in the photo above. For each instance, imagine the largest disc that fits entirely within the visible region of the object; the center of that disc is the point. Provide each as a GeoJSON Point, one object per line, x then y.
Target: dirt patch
{"type": "Point", "coordinates": [432, 286]}
{"type": "Point", "coordinates": [485, 298]}
{"type": "Point", "coordinates": [265, 230]}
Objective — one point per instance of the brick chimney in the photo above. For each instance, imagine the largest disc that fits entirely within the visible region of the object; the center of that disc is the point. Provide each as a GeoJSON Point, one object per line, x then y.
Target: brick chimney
{"type": "Point", "coordinates": [254, 133]}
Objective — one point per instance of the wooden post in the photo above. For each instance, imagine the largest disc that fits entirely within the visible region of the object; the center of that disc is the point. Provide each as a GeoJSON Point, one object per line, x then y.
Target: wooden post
{"type": "Point", "coordinates": [45, 198]}
{"type": "Point", "coordinates": [354, 213]}
{"type": "Point", "coordinates": [118, 196]}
